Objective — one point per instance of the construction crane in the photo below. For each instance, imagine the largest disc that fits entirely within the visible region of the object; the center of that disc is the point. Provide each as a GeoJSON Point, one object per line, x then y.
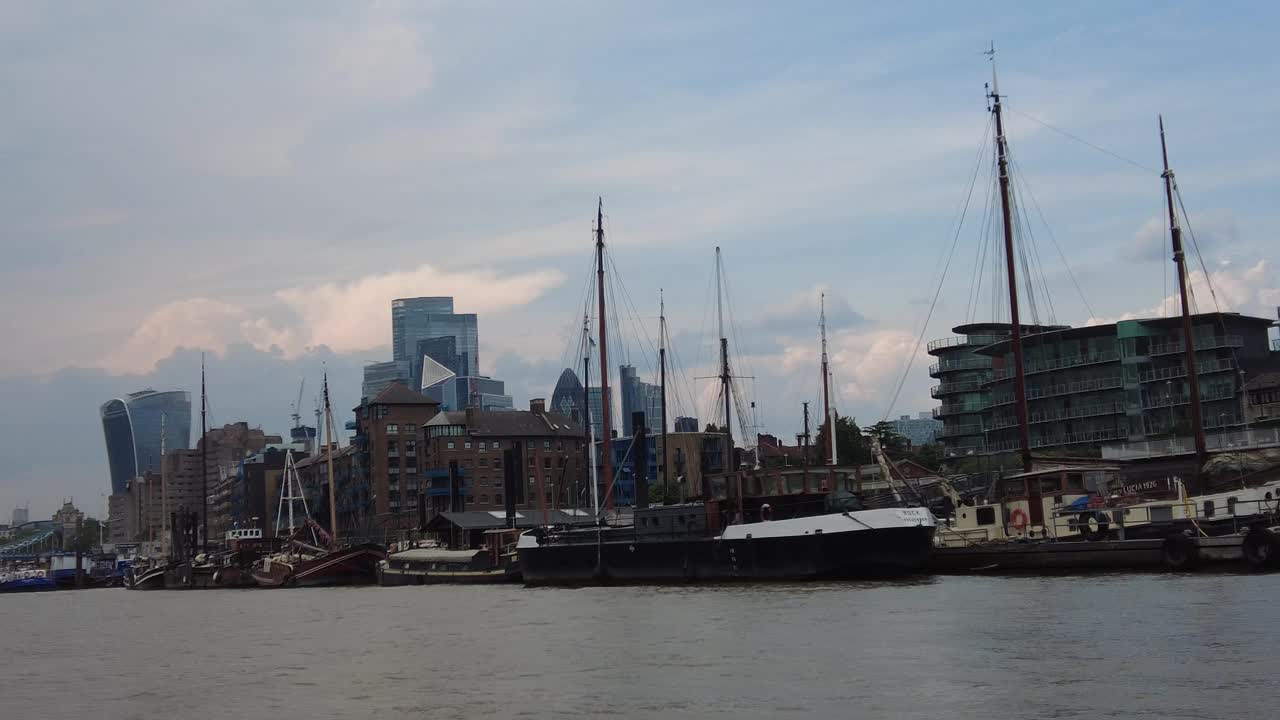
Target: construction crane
{"type": "Point", "coordinates": [297, 406]}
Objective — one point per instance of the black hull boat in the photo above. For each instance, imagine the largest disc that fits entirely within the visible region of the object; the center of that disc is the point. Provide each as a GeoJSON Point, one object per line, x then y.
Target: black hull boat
{"type": "Point", "coordinates": [849, 545]}
{"type": "Point", "coordinates": [151, 578]}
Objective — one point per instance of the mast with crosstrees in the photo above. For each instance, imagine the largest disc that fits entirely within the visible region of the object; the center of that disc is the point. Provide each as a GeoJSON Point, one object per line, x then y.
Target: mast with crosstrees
{"type": "Point", "coordinates": [828, 412]}
{"type": "Point", "coordinates": [1015, 327]}
{"type": "Point", "coordinates": [606, 446]}
{"type": "Point", "coordinates": [726, 385]}
{"type": "Point", "coordinates": [662, 384]}
{"type": "Point", "coordinates": [204, 460]}
{"type": "Point", "coordinates": [1188, 339]}
{"type": "Point", "coordinates": [328, 432]}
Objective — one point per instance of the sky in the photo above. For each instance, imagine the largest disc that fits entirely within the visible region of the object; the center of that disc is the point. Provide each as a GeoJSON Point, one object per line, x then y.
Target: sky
{"type": "Point", "coordinates": [257, 181]}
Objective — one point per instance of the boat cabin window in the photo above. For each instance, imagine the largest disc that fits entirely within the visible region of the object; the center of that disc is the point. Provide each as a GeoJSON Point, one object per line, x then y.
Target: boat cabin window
{"type": "Point", "coordinates": [986, 515]}
{"type": "Point", "coordinates": [1231, 506]}
{"type": "Point", "coordinates": [1075, 481]}
{"type": "Point", "coordinates": [1208, 508]}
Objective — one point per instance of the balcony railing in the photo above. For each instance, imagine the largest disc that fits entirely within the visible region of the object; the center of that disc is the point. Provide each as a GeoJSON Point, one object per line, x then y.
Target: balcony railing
{"type": "Point", "coordinates": [1180, 370]}
{"type": "Point", "coordinates": [964, 341]}
{"type": "Point", "coordinates": [1075, 413]}
{"type": "Point", "coordinates": [1072, 388]}
{"type": "Point", "coordinates": [1240, 439]}
{"type": "Point", "coordinates": [960, 430]}
{"type": "Point", "coordinates": [1200, 343]}
{"type": "Point", "coordinates": [975, 363]}
{"type": "Point", "coordinates": [1058, 364]}
{"type": "Point", "coordinates": [1076, 438]}
{"type": "Point", "coordinates": [1164, 401]}
{"type": "Point", "coordinates": [957, 409]}
{"type": "Point", "coordinates": [955, 387]}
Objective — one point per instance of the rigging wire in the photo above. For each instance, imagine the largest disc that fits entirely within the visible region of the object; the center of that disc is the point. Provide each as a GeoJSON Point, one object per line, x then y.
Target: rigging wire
{"type": "Point", "coordinates": [1208, 281]}
{"type": "Point", "coordinates": [1054, 240]}
{"type": "Point", "coordinates": [938, 292]}
{"type": "Point", "coordinates": [1082, 141]}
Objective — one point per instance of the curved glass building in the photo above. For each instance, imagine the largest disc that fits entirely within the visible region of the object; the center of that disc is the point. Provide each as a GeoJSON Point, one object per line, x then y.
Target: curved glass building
{"type": "Point", "coordinates": [132, 427]}
{"type": "Point", "coordinates": [568, 396]}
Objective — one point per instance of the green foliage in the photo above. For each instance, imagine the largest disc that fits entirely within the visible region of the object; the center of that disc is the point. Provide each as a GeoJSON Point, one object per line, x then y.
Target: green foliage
{"type": "Point", "coordinates": [930, 456]}
{"type": "Point", "coordinates": [851, 446]}
{"type": "Point", "coordinates": [891, 442]}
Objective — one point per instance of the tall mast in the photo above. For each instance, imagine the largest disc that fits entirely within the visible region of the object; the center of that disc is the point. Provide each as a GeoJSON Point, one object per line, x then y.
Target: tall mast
{"type": "Point", "coordinates": [588, 430]}
{"type": "Point", "coordinates": [662, 384]}
{"type": "Point", "coordinates": [1019, 377]}
{"type": "Point", "coordinates": [164, 497]}
{"type": "Point", "coordinates": [827, 414]}
{"type": "Point", "coordinates": [806, 433]}
{"type": "Point", "coordinates": [606, 447]}
{"type": "Point", "coordinates": [724, 369]}
{"type": "Point", "coordinates": [1188, 340]}
{"type": "Point", "coordinates": [204, 459]}
{"type": "Point", "coordinates": [328, 444]}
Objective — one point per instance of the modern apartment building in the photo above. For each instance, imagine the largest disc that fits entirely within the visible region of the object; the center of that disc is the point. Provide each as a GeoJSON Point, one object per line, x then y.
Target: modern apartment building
{"type": "Point", "coordinates": [1094, 385]}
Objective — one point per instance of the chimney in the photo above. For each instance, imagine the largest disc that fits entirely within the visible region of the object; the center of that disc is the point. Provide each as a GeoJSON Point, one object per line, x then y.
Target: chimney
{"type": "Point", "coordinates": [538, 405]}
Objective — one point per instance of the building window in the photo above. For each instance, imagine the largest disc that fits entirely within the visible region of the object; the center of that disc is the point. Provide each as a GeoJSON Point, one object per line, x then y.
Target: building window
{"type": "Point", "coordinates": [482, 446]}
{"type": "Point", "coordinates": [546, 462]}
{"type": "Point", "coordinates": [449, 445]}
{"type": "Point", "coordinates": [532, 461]}
{"type": "Point", "coordinates": [467, 445]}
{"type": "Point", "coordinates": [471, 498]}
{"type": "Point", "coordinates": [497, 463]}
{"type": "Point", "coordinates": [410, 428]}
{"type": "Point", "coordinates": [392, 428]}
{"type": "Point", "coordinates": [484, 499]}
{"type": "Point", "coordinates": [546, 444]}
{"type": "Point", "coordinates": [497, 499]}
{"type": "Point", "coordinates": [497, 444]}
{"type": "Point", "coordinates": [484, 462]}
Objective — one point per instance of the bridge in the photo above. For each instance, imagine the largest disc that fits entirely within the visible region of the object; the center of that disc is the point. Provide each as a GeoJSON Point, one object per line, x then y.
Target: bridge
{"type": "Point", "coordinates": [32, 547]}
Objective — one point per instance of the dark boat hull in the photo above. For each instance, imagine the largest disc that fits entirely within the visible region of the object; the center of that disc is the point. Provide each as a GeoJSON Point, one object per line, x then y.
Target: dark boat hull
{"type": "Point", "coordinates": [388, 577]}
{"type": "Point", "coordinates": [843, 555]}
{"type": "Point", "coordinates": [1146, 554]}
{"type": "Point", "coordinates": [152, 579]}
{"type": "Point", "coordinates": [356, 565]}
{"type": "Point", "coordinates": [28, 585]}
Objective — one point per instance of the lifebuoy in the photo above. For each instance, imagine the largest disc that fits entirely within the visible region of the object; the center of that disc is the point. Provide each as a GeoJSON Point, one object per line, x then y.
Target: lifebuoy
{"type": "Point", "coordinates": [1018, 519]}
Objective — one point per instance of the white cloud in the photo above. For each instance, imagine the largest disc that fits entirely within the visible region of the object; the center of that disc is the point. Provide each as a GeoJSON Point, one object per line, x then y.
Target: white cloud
{"type": "Point", "coordinates": [345, 317]}
{"type": "Point", "coordinates": [1254, 290]}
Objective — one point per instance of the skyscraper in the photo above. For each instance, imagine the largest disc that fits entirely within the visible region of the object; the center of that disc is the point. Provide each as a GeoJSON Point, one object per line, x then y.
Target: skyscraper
{"type": "Point", "coordinates": [378, 375]}
{"type": "Point", "coordinates": [640, 396]}
{"type": "Point", "coordinates": [132, 427]}
{"type": "Point", "coordinates": [567, 398]}
{"type": "Point", "coordinates": [423, 318]}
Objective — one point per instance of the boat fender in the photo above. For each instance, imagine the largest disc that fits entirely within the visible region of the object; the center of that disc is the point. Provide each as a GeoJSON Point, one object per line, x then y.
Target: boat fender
{"type": "Point", "coordinates": [766, 512]}
{"type": "Point", "coordinates": [1018, 518]}
{"type": "Point", "coordinates": [1087, 531]}
{"type": "Point", "coordinates": [1180, 553]}
{"type": "Point", "coordinates": [1260, 547]}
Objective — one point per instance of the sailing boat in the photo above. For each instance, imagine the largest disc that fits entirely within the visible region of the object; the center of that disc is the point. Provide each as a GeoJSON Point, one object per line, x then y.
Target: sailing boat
{"type": "Point", "coordinates": [323, 561]}
{"type": "Point", "coordinates": [715, 540]}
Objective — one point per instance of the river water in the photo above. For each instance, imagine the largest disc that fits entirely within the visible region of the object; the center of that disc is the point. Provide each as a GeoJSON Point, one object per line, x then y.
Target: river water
{"type": "Point", "coordinates": [1159, 646]}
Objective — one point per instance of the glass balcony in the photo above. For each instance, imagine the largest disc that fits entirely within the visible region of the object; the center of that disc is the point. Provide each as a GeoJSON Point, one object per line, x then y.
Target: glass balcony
{"type": "Point", "coordinates": [1180, 370]}
{"type": "Point", "coordinates": [955, 387]}
{"type": "Point", "coordinates": [1201, 343]}
{"type": "Point", "coordinates": [975, 363]}
{"type": "Point", "coordinates": [958, 341]}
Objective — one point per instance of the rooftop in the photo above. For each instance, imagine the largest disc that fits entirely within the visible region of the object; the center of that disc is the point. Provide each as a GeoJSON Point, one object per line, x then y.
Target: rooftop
{"type": "Point", "coordinates": [510, 423]}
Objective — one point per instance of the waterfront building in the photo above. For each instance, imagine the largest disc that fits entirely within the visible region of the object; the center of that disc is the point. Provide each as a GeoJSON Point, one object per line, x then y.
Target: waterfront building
{"type": "Point", "coordinates": [132, 427]}
{"type": "Point", "coordinates": [568, 396]}
{"type": "Point", "coordinates": [20, 517]}
{"type": "Point", "coordinates": [353, 491]}
{"type": "Point", "coordinates": [640, 396]}
{"type": "Point", "coordinates": [472, 442]}
{"type": "Point", "coordinates": [416, 319]}
{"type": "Point", "coordinates": [388, 433]}
{"type": "Point", "coordinates": [378, 376]}
{"type": "Point", "coordinates": [228, 446]}
{"type": "Point", "coordinates": [1096, 385]}
{"type": "Point", "coordinates": [920, 430]}
{"type": "Point", "coordinates": [1262, 406]}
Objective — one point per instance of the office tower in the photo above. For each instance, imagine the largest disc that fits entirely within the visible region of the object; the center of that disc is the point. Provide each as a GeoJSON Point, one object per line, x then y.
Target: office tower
{"type": "Point", "coordinates": [133, 425]}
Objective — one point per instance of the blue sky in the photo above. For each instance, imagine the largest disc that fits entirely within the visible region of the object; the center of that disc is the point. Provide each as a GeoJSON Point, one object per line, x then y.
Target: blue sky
{"type": "Point", "coordinates": [259, 182]}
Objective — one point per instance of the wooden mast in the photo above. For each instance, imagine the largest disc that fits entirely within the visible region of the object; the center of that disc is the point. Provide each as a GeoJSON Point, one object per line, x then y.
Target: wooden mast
{"type": "Point", "coordinates": [1015, 326]}
{"type": "Point", "coordinates": [606, 447]}
{"type": "Point", "coordinates": [828, 417]}
{"type": "Point", "coordinates": [725, 385]}
{"type": "Point", "coordinates": [1188, 339]}
{"type": "Point", "coordinates": [662, 384]}
{"type": "Point", "coordinates": [204, 460]}
{"type": "Point", "coordinates": [328, 436]}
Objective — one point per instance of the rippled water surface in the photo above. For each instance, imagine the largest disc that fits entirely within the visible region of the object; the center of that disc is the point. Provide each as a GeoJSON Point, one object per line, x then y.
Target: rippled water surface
{"type": "Point", "coordinates": [1158, 646]}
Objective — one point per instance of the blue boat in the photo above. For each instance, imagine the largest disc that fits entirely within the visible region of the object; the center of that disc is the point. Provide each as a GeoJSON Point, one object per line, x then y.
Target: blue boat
{"type": "Point", "coordinates": [26, 581]}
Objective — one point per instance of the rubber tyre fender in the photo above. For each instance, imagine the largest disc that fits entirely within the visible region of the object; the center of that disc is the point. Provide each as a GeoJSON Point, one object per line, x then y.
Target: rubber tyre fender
{"type": "Point", "coordinates": [1082, 525]}
{"type": "Point", "coordinates": [1260, 548]}
{"type": "Point", "coordinates": [1180, 553]}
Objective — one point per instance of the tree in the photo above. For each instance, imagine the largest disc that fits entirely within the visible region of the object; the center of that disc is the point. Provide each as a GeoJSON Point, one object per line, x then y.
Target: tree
{"type": "Point", "coordinates": [891, 442]}
{"type": "Point", "coordinates": [851, 447]}
{"type": "Point", "coordinates": [929, 455]}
